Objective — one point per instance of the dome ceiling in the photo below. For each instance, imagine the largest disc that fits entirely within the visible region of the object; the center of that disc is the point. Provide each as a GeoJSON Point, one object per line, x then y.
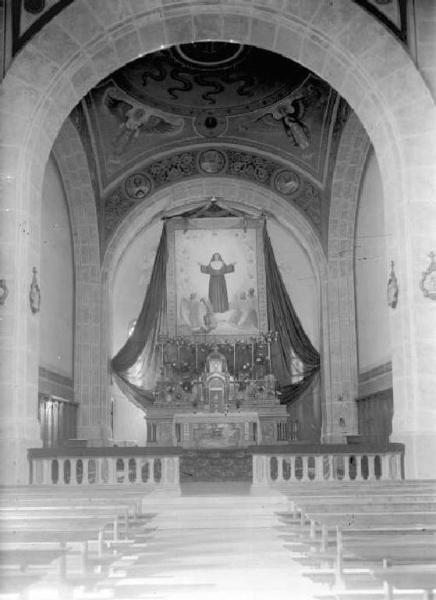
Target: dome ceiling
{"type": "Point", "coordinates": [215, 78]}
{"type": "Point", "coordinates": [210, 108]}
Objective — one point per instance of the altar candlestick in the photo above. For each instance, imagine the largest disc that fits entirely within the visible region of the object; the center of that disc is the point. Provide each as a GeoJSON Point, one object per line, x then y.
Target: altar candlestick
{"type": "Point", "coordinates": [252, 359]}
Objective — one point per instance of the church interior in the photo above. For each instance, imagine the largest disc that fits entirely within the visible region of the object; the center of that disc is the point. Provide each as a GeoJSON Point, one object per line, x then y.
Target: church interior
{"type": "Point", "coordinates": [218, 299]}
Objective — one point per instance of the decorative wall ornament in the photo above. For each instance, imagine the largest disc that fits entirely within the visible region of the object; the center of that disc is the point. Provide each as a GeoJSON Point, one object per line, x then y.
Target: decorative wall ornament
{"type": "Point", "coordinates": [250, 166]}
{"type": "Point", "coordinates": [136, 119]}
{"type": "Point", "coordinates": [269, 173]}
{"type": "Point", "coordinates": [428, 279]}
{"type": "Point", "coordinates": [172, 168]}
{"type": "Point", "coordinates": [137, 186]}
{"type": "Point", "coordinates": [287, 182]}
{"type": "Point", "coordinates": [226, 78]}
{"type": "Point", "coordinates": [3, 291]}
{"type": "Point", "coordinates": [209, 124]}
{"type": "Point", "coordinates": [35, 293]}
{"type": "Point", "coordinates": [212, 161]}
{"type": "Point", "coordinates": [392, 288]}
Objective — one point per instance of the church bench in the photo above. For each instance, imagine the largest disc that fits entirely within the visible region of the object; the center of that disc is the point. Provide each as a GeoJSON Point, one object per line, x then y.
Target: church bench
{"type": "Point", "coordinates": [367, 506]}
{"type": "Point", "coordinates": [388, 526]}
{"type": "Point", "coordinates": [407, 577]}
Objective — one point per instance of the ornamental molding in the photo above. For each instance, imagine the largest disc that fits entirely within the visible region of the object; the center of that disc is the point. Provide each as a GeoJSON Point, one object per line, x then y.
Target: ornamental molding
{"type": "Point", "coordinates": [271, 174]}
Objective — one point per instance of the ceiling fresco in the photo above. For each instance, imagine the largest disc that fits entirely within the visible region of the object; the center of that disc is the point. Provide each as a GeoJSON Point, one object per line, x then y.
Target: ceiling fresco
{"type": "Point", "coordinates": [228, 93]}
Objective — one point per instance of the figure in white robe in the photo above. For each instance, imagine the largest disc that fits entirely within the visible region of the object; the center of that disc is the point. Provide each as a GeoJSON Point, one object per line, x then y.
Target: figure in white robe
{"type": "Point", "coordinates": [217, 269]}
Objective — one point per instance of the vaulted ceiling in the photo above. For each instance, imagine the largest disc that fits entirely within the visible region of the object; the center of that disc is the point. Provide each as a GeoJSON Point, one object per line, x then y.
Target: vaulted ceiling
{"type": "Point", "coordinates": [210, 108]}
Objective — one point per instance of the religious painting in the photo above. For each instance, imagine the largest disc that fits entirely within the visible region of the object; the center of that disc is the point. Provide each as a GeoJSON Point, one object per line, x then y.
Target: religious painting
{"type": "Point", "coordinates": [216, 277]}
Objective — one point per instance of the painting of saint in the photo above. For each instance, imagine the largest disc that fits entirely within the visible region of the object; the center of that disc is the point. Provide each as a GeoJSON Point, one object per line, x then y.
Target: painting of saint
{"type": "Point", "coordinates": [217, 294]}
{"type": "Point", "coordinates": [217, 269]}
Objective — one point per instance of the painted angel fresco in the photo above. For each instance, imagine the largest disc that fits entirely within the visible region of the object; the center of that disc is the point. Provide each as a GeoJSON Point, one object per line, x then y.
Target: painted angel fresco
{"type": "Point", "coordinates": [136, 119]}
{"type": "Point", "coordinates": [289, 114]}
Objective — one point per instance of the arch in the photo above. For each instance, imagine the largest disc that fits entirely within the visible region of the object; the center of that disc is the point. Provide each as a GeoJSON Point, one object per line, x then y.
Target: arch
{"type": "Point", "coordinates": [338, 40]}
{"type": "Point", "coordinates": [347, 176]}
{"type": "Point", "coordinates": [241, 194]}
{"type": "Point", "coordinates": [73, 165]}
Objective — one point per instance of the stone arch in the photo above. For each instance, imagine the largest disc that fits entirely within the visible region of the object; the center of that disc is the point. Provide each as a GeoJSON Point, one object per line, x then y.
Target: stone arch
{"type": "Point", "coordinates": [240, 194]}
{"type": "Point", "coordinates": [347, 176]}
{"type": "Point", "coordinates": [73, 165]}
{"type": "Point", "coordinates": [338, 40]}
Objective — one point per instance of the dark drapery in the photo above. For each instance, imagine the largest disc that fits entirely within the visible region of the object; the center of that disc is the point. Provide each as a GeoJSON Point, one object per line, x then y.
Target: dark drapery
{"type": "Point", "coordinates": [144, 336]}
{"type": "Point", "coordinates": [139, 349]}
{"type": "Point", "coordinates": [283, 319]}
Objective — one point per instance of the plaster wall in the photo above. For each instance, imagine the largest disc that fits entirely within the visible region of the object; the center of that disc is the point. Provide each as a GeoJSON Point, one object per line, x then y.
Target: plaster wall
{"type": "Point", "coordinates": [371, 273]}
{"type": "Point", "coordinates": [56, 278]}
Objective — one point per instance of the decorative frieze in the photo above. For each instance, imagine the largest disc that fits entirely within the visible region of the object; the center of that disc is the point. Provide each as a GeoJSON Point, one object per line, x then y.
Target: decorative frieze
{"type": "Point", "coordinates": [271, 174]}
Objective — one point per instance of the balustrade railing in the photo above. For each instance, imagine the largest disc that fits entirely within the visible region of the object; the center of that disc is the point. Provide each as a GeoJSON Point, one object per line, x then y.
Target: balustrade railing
{"type": "Point", "coordinates": [344, 465]}
{"type": "Point", "coordinates": [130, 466]}
{"type": "Point", "coordinates": [103, 469]}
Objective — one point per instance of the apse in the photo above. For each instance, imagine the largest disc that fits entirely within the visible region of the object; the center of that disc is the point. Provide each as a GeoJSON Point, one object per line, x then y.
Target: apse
{"type": "Point", "coordinates": [210, 116]}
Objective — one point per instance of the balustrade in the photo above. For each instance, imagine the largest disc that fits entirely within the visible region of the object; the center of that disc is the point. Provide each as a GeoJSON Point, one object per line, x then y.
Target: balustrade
{"type": "Point", "coordinates": [339, 466]}
{"type": "Point", "coordinates": [100, 470]}
{"type": "Point", "coordinates": [129, 467]}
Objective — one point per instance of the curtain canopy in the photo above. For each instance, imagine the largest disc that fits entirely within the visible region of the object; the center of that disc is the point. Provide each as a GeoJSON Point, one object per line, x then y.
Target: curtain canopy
{"type": "Point", "coordinates": [139, 352]}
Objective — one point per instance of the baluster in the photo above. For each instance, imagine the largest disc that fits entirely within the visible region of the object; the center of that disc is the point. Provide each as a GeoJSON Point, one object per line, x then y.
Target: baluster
{"type": "Point", "coordinates": [46, 471]}
{"type": "Point", "coordinates": [358, 459]}
{"type": "Point", "coordinates": [85, 471]}
{"type": "Point", "coordinates": [292, 461]}
{"type": "Point", "coordinates": [347, 468]}
{"type": "Point", "coordinates": [331, 476]}
{"type": "Point", "coordinates": [98, 470]}
{"type": "Point", "coordinates": [279, 469]}
{"type": "Point", "coordinates": [371, 467]}
{"type": "Point", "coordinates": [319, 468]}
{"type": "Point", "coordinates": [73, 467]}
{"type": "Point", "coordinates": [305, 460]}
{"type": "Point", "coordinates": [137, 476]}
{"type": "Point", "coordinates": [385, 467]}
{"type": "Point", "coordinates": [398, 458]}
{"type": "Point", "coordinates": [151, 470]}
{"type": "Point", "coordinates": [112, 469]}
{"type": "Point", "coordinates": [35, 470]}
{"type": "Point", "coordinates": [61, 471]}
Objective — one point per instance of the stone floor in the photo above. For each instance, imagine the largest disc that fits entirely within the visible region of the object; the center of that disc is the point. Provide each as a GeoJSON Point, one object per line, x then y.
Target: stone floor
{"type": "Point", "coordinates": [212, 542]}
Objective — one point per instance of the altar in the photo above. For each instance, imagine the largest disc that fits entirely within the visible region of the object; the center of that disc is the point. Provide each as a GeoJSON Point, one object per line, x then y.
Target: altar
{"type": "Point", "coordinates": [204, 405]}
{"type": "Point", "coordinates": [210, 359]}
{"type": "Point", "coordinates": [216, 430]}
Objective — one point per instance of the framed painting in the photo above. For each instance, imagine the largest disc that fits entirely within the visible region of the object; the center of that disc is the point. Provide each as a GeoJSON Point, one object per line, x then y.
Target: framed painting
{"type": "Point", "coordinates": [216, 278]}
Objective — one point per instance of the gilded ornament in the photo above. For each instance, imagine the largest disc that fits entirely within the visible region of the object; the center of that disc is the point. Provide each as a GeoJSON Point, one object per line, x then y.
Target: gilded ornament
{"type": "Point", "coordinates": [35, 293]}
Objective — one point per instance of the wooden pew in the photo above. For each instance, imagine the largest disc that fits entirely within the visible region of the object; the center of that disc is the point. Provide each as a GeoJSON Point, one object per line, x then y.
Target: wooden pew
{"type": "Point", "coordinates": [389, 523]}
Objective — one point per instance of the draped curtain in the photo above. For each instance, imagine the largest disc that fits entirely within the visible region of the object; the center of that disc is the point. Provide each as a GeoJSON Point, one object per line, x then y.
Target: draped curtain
{"type": "Point", "coordinates": [140, 346]}
{"type": "Point", "coordinates": [138, 353]}
{"type": "Point", "coordinates": [292, 338]}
